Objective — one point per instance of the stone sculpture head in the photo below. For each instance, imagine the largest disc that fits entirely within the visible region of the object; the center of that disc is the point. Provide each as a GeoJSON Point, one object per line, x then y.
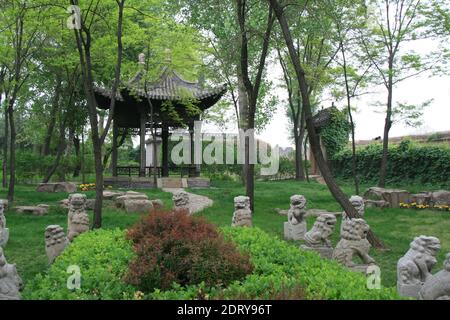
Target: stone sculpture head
{"type": "Point", "coordinates": [54, 235]}
{"type": "Point", "coordinates": [428, 248]}
{"type": "Point", "coordinates": [2, 207]}
{"type": "Point", "coordinates": [355, 229]}
{"type": "Point", "coordinates": [241, 202]}
{"type": "Point", "coordinates": [298, 201]}
{"type": "Point", "coordinates": [325, 223]}
{"type": "Point", "coordinates": [77, 201]}
{"type": "Point", "coordinates": [181, 199]}
{"type": "Point", "coordinates": [358, 203]}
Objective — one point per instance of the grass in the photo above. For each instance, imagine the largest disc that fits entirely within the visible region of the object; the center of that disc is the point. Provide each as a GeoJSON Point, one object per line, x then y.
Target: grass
{"type": "Point", "coordinates": [396, 227]}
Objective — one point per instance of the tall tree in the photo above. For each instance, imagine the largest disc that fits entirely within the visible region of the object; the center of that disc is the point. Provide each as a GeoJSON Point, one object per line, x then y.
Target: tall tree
{"type": "Point", "coordinates": [83, 36]}
{"type": "Point", "coordinates": [313, 137]}
{"type": "Point", "coordinates": [251, 84]}
{"type": "Point", "coordinates": [391, 25]}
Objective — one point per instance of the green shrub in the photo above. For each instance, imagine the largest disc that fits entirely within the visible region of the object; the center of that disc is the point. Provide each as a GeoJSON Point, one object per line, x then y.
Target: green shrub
{"type": "Point", "coordinates": [281, 271]}
{"type": "Point", "coordinates": [102, 256]}
{"type": "Point", "coordinates": [281, 267]}
{"type": "Point", "coordinates": [174, 247]}
{"type": "Point", "coordinates": [408, 163]}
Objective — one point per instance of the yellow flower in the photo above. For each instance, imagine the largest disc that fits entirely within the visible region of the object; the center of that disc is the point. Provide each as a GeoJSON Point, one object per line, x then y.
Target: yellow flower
{"type": "Point", "coordinates": [138, 295]}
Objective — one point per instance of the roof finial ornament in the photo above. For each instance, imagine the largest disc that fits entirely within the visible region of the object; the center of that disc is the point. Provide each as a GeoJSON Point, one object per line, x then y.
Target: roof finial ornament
{"type": "Point", "coordinates": [142, 59]}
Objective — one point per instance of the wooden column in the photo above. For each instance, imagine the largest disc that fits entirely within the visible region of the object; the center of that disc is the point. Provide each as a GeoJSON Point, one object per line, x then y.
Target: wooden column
{"type": "Point", "coordinates": [192, 144]}
{"type": "Point", "coordinates": [114, 156]}
{"type": "Point", "coordinates": [165, 151]}
{"type": "Point", "coordinates": [142, 144]}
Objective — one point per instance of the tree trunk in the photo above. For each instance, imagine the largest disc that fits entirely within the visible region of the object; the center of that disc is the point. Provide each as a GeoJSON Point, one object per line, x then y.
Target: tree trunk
{"type": "Point", "coordinates": [299, 136]}
{"type": "Point", "coordinates": [76, 146]}
{"type": "Point", "coordinates": [313, 137]}
{"type": "Point", "coordinates": [53, 114]}
{"type": "Point", "coordinates": [387, 128]}
{"type": "Point", "coordinates": [98, 184]}
{"type": "Point", "coordinates": [12, 152]}
{"type": "Point", "coordinates": [5, 150]}
{"type": "Point", "coordinates": [352, 123]}
{"type": "Point", "coordinates": [243, 116]}
{"type": "Point", "coordinates": [59, 155]}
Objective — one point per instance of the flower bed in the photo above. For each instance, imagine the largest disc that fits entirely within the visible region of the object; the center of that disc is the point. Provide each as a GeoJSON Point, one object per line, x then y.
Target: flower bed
{"type": "Point", "coordinates": [417, 206]}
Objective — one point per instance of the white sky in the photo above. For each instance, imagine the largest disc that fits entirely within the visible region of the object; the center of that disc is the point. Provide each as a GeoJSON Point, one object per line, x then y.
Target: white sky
{"type": "Point", "coordinates": [370, 124]}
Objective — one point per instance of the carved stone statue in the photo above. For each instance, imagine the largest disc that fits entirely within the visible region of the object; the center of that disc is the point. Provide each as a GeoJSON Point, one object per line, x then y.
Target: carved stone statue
{"type": "Point", "coordinates": [242, 216]}
{"type": "Point", "coordinates": [437, 287]}
{"type": "Point", "coordinates": [414, 268]}
{"type": "Point", "coordinates": [354, 242]}
{"type": "Point", "coordinates": [295, 228]}
{"type": "Point", "coordinates": [78, 220]}
{"type": "Point", "coordinates": [318, 238]}
{"type": "Point", "coordinates": [10, 282]}
{"type": "Point", "coordinates": [181, 201]}
{"type": "Point", "coordinates": [358, 204]}
{"type": "Point", "coordinates": [4, 232]}
{"type": "Point", "coordinates": [55, 242]}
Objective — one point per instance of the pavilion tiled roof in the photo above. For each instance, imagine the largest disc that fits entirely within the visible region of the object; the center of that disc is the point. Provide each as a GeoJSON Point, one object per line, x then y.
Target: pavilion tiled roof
{"type": "Point", "coordinates": [169, 87]}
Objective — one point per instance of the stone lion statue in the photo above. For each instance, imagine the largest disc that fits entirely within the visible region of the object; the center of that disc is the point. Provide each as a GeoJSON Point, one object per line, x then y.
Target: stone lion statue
{"type": "Point", "coordinates": [358, 203]}
{"type": "Point", "coordinates": [4, 232]}
{"type": "Point", "coordinates": [242, 216]}
{"type": "Point", "coordinates": [78, 219]}
{"type": "Point", "coordinates": [181, 201]}
{"type": "Point", "coordinates": [297, 211]}
{"type": "Point", "coordinates": [10, 282]}
{"type": "Point", "coordinates": [353, 242]}
{"type": "Point", "coordinates": [437, 287]}
{"type": "Point", "coordinates": [295, 228]}
{"type": "Point", "coordinates": [414, 268]}
{"type": "Point", "coordinates": [320, 233]}
{"type": "Point", "coordinates": [55, 242]}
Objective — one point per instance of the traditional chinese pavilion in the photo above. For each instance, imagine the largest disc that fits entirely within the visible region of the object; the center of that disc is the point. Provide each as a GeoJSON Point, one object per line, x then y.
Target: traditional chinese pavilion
{"type": "Point", "coordinates": [176, 104]}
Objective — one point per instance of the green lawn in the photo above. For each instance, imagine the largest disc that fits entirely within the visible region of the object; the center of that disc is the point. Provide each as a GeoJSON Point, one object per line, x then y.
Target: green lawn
{"type": "Point", "coordinates": [396, 227]}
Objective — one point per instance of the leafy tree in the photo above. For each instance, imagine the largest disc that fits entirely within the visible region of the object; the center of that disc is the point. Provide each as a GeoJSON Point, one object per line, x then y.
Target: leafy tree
{"type": "Point", "coordinates": [390, 26]}
{"type": "Point", "coordinates": [313, 137]}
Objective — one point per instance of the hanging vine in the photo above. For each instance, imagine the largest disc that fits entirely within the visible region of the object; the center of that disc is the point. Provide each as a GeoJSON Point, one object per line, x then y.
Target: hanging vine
{"type": "Point", "coordinates": [335, 134]}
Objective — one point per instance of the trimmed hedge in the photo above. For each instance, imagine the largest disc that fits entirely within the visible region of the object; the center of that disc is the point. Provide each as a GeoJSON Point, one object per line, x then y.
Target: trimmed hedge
{"type": "Point", "coordinates": [102, 256]}
{"type": "Point", "coordinates": [408, 163]}
{"type": "Point", "coordinates": [280, 266]}
{"type": "Point", "coordinates": [281, 271]}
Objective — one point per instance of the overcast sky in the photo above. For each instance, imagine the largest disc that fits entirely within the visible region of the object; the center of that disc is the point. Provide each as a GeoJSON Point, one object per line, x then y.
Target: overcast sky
{"type": "Point", "coordinates": [370, 123]}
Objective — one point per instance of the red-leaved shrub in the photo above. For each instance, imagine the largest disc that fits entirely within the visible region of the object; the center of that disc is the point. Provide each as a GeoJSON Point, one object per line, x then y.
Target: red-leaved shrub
{"type": "Point", "coordinates": [175, 247]}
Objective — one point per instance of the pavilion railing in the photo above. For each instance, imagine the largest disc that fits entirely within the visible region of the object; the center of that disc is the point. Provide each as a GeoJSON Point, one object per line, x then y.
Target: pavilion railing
{"type": "Point", "coordinates": [133, 171]}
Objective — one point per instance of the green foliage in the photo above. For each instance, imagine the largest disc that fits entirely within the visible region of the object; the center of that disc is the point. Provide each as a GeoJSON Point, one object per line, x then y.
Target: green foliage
{"type": "Point", "coordinates": [408, 163]}
{"type": "Point", "coordinates": [174, 247]}
{"type": "Point", "coordinates": [280, 266]}
{"type": "Point", "coordinates": [336, 133]}
{"type": "Point", "coordinates": [102, 257]}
